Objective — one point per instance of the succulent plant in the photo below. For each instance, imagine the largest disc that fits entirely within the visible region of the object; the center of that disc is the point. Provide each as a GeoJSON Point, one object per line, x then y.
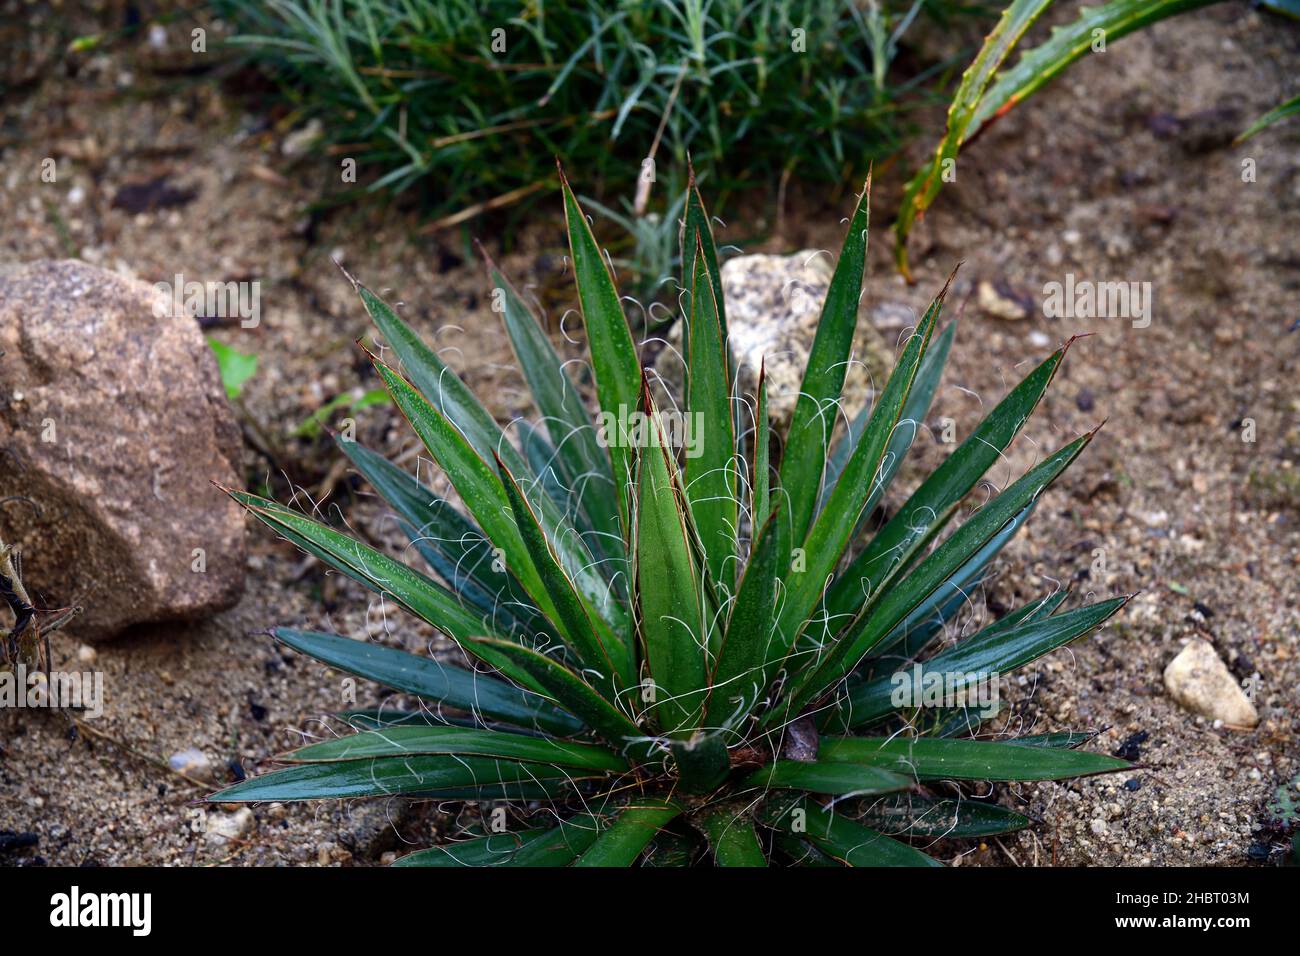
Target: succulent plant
{"type": "Point", "coordinates": [676, 658]}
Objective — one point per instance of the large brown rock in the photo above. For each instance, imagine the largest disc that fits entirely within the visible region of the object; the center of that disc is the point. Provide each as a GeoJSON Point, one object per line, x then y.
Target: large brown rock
{"type": "Point", "coordinates": [114, 423]}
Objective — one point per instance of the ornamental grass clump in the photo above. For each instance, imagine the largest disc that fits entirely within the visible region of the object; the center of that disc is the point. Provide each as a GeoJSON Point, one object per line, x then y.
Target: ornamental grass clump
{"type": "Point", "coordinates": [688, 653]}
{"type": "Point", "coordinates": [457, 103]}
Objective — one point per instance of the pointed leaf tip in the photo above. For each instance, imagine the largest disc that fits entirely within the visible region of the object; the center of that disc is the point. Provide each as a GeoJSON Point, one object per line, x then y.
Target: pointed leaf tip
{"type": "Point", "coordinates": [356, 286]}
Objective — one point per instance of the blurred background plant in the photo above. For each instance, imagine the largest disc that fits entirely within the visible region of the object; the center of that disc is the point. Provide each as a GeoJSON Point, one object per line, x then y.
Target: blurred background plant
{"type": "Point", "coordinates": [465, 105]}
{"type": "Point", "coordinates": [460, 108]}
{"type": "Point", "coordinates": [645, 253]}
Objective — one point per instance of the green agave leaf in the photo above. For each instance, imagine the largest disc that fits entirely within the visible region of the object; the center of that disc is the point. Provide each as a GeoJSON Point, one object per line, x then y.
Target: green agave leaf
{"type": "Point", "coordinates": [432, 680]}
{"type": "Point", "coordinates": [958, 721]}
{"type": "Point", "coordinates": [1033, 611]}
{"type": "Point", "coordinates": [422, 596]}
{"type": "Point", "coordinates": [731, 836]}
{"type": "Point", "coordinates": [702, 762]}
{"type": "Point", "coordinates": [562, 491]}
{"type": "Point", "coordinates": [1068, 739]}
{"type": "Point", "coordinates": [912, 815]}
{"type": "Point", "coordinates": [495, 849]}
{"type": "Point", "coordinates": [397, 741]}
{"type": "Point", "coordinates": [448, 776]}
{"type": "Point", "coordinates": [1289, 108]}
{"type": "Point", "coordinates": [377, 718]}
{"type": "Point", "coordinates": [603, 653]}
{"type": "Point", "coordinates": [830, 534]}
{"type": "Point", "coordinates": [711, 475]}
{"type": "Point", "coordinates": [923, 622]}
{"type": "Point", "coordinates": [928, 758]}
{"type": "Point", "coordinates": [801, 852]}
{"type": "Point", "coordinates": [551, 474]}
{"type": "Point", "coordinates": [613, 353]}
{"type": "Point", "coordinates": [1018, 16]}
{"type": "Point", "coordinates": [839, 779]}
{"type": "Point", "coordinates": [912, 634]}
{"type": "Point", "coordinates": [453, 545]}
{"type": "Point", "coordinates": [697, 236]}
{"type": "Point", "coordinates": [670, 595]}
{"type": "Point", "coordinates": [473, 478]}
{"type": "Point", "coordinates": [558, 846]}
{"type": "Point", "coordinates": [916, 631]}
{"type": "Point", "coordinates": [910, 420]}
{"type": "Point", "coordinates": [740, 674]}
{"type": "Point", "coordinates": [935, 501]}
{"type": "Point", "coordinates": [842, 450]}
{"type": "Point", "coordinates": [998, 649]}
{"type": "Point", "coordinates": [842, 839]}
{"type": "Point", "coordinates": [414, 592]}
{"type": "Point", "coordinates": [517, 619]}
{"type": "Point", "coordinates": [909, 423]}
{"type": "Point", "coordinates": [761, 472]}
{"type": "Point", "coordinates": [634, 828]}
{"type": "Point", "coordinates": [441, 387]}
{"type": "Point", "coordinates": [584, 464]}
{"type": "Point", "coordinates": [814, 413]}
{"type": "Point", "coordinates": [669, 849]}
{"type": "Point", "coordinates": [933, 571]}
{"type": "Point", "coordinates": [570, 690]}
{"type": "Point", "coordinates": [480, 488]}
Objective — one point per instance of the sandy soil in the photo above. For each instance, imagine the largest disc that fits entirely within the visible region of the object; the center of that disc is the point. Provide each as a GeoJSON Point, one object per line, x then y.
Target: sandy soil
{"type": "Point", "coordinates": [1121, 171]}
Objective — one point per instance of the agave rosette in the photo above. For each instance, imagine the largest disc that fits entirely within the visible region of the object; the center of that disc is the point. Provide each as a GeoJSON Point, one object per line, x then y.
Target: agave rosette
{"type": "Point", "coordinates": [673, 659]}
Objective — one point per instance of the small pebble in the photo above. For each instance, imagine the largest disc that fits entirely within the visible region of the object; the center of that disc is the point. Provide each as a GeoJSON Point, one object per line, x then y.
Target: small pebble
{"type": "Point", "coordinates": [224, 827]}
{"type": "Point", "coordinates": [301, 140]}
{"type": "Point", "coordinates": [1001, 300]}
{"type": "Point", "coordinates": [1131, 748]}
{"type": "Point", "coordinates": [191, 762]}
{"type": "Point", "coordinates": [1201, 683]}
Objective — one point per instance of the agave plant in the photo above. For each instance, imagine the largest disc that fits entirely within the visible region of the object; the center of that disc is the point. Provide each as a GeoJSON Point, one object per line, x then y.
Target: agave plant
{"type": "Point", "coordinates": [674, 658]}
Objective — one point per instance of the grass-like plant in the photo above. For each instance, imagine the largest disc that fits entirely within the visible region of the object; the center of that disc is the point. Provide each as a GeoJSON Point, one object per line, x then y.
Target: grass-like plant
{"type": "Point", "coordinates": [462, 103]}
{"type": "Point", "coordinates": [678, 658]}
{"type": "Point", "coordinates": [987, 90]}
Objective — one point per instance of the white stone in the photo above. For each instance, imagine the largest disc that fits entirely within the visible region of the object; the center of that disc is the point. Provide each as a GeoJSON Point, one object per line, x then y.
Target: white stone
{"type": "Point", "coordinates": [773, 305]}
{"type": "Point", "coordinates": [192, 763]}
{"type": "Point", "coordinates": [224, 827]}
{"type": "Point", "coordinates": [1201, 683]}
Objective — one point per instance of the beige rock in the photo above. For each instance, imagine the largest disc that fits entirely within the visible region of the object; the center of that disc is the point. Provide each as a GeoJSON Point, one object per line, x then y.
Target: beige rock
{"type": "Point", "coordinates": [192, 762]}
{"type": "Point", "coordinates": [1000, 300]}
{"type": "Point", "coordinates": [114, 423]}
{"type": "Point", "coordinates": [1201, 683]}
{"type": "Point", "coordinates": [773, 306]}
{"type": "Point", "coordinates": [224, 827]}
